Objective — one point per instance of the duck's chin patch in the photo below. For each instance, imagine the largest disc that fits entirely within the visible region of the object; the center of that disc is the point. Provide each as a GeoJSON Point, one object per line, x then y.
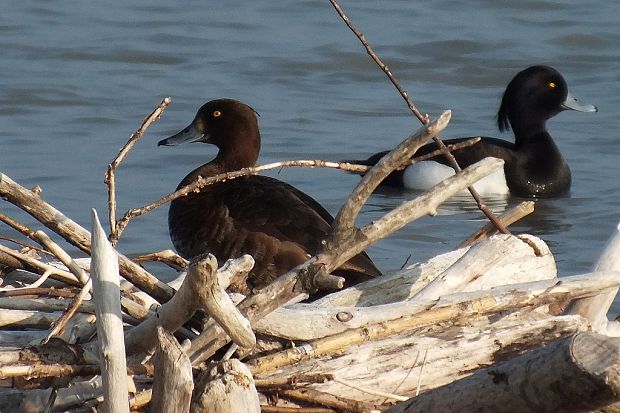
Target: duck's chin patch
{"type": "Point", "coordinates": [424, 175]}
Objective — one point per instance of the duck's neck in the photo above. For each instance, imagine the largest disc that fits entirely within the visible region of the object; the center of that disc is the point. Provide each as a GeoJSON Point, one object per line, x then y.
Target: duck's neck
{"type": "Point", "coordinates": [529, 131]}
{"type": "Point", "coordinates": [231, 156]}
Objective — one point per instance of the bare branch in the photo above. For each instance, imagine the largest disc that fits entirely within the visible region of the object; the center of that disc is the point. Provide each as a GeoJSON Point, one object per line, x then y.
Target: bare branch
{"type": "Point", "coordinates": [424, 119]}
{"type": "Point", "coordinates": [133, 139]}
{"type": "Point", "coordinates": [202, 182]}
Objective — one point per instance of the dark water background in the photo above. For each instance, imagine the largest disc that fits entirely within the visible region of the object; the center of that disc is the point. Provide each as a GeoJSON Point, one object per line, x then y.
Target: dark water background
{"type": "Point", "coordinates": [76, 79]}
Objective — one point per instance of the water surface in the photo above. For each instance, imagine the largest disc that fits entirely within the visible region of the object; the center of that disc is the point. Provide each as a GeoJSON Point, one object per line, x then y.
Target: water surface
{"type": "Point", "coordinates": [76, 79]}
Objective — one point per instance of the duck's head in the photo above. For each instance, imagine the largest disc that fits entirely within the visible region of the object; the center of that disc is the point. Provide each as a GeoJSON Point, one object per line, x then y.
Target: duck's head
{"type": "Point", "coordinates": [532, 97]}
{"type": "Point", "coordinates": [230, 125]}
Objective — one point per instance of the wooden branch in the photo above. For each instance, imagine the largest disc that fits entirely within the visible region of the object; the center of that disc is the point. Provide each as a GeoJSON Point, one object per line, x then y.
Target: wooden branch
{"type": "Point", "coordinates": [106, 292]}
{"type": "Point", "coordinates": [168, 257]}
{"type": "Point", "coordinates": [389, 297]}
{"type": "Point", "coordinates": [530, 262]}
{"type": "Point", "coordinates": [191, 295]}
{"type": "Point", "coordinates": [201, 182]}
{"type": "Point", "coordinates": [33, 204]}
{"type": "Point", "coordinates": [133, 139]}
{"type": "Point", "coordinates": [344, 223]}
{"type": "Point", "coordinates": [424, 119]}
{"type": "Point", "coordinates": [287, 287]}
{"type": "Point", "coordinates": [425, 204]}
{"type": "Point", "coordinates": [64, 276]}
{"type": "Point", "coordinates": [476, 261]}
{"type": "Point", "coordinates": [445, 352]}
{"type": "Point", "coordinates": [60, 324]}
{"type": "Point", "coordinates": [173, 382]}
{"type": "Point", "coordinates": [19, 227]}
{"type": "Point", "coordinates": [595, 308]}
{"type": "Point", "coordinates": [27, 319]}
{"type": "Point", "coordinates": [20, 338]}
{"type": "Point", "coordinates": [535, 381]}
{"type": "Point", "coordinates": [282, 409]}
{"type": "Point", "coordinates": [319, 398]}
{"type": "Point", "coordinates": [65, 258]}
{"type": "Point", "coordinates": [391, 319]}
{"type": "Point", "coordinates": [227, 387]}
{"type": "Point", "coordinates": [507, 218]}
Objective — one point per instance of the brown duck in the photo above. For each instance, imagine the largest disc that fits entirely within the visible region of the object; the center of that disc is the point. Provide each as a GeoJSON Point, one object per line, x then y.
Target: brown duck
{"type": "Point", "coordinates": [279, 225]}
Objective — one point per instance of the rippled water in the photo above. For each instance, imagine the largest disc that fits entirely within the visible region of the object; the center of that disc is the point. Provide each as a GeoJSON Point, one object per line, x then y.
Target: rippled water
{"type": "Point", "coordinates": [76, 79]}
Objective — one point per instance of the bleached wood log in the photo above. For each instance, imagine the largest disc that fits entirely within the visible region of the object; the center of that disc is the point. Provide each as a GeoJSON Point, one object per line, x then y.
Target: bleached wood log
{"type": "Point", "coordinates": [531, 261]}
{"type": "Point", "coordinates": [309, 321]}
{"type": "Point", "coordinates": [173, 381]}
{"type": "Point", "coordinates": [445, 352]}
{"type": "Point", "coordinates": [192, 294]}
{"type": "Point", "coordinates": [460, 306]}
{"type": "Point", "coordinates": [476, 261]}
{"type": "Point", "coordinates": [577, 374]}
{"type": "Point", "coordinates": [227, 387]}
{"type": "Point", "coordinates": [47, 305]}
{"type": "Point", "coordinates": [595, 308]}
{"type": "Point", "coordinates": [106, 292]}
{"type": "Point", "coordinates": [49, 216]}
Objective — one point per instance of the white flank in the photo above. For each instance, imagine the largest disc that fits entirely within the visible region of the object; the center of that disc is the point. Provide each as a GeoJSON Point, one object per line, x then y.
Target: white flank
{"type": "Point", "coordinates": [424, 175]}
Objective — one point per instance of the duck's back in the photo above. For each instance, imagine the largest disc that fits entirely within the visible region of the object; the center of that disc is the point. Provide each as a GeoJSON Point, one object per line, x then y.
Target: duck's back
{"type": "Point", "coordinates": [277, 224]}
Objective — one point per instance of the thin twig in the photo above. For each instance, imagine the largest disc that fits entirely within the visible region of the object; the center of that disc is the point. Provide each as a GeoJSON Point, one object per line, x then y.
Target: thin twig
{"type": "Point", "coordinates": [417, 392]}
{"type": "Point", "coordinates": [423, 118]}
{"type": "Point", "coordinates": [59, 325]}
{"type": "Point", "coordinates": [121, 224]}
{"type": "Point", "coordinates": [133, 139]}
{"type": "Point", "coordinates": [65, 258]}
{"type": "Point", "coordinates": [374, 392]}
{"type": "Point", "coordinates": [507, 218]}
{"type": "Point", "coordinates": [344, 223]}
{"type": "Point", "coordinates": [34, 263]}
{"type": "Point", "coordinates": [18, 226]}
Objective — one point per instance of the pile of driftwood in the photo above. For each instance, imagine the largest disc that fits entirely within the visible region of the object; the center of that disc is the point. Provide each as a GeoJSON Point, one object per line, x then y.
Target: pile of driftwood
{"type": "Point", "coordinates": [487, 327]}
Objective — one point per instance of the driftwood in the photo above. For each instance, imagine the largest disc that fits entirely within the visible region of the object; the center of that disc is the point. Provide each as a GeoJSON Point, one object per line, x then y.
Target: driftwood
{"type": "Point", "coordinates": [576, 374]}
{"type": "Point", "coordinates": [595, 308]}
{"type": "Point", "coordinates": [173, 382]}
{"type": "Point", "coordinates": [197, 292]}
{"type": "Point", "coordinates": [227, 387]}
{"type": "Point", "coordinates": [106, 292]}
{"type": "Point", "coordinates": [76, 235]}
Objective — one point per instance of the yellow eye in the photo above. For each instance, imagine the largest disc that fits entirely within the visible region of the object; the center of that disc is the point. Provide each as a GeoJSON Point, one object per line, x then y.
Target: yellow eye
{"type": "Point", "coordinates": [551, 85]}
{"type": "Point", "coordinates": [217, 114]}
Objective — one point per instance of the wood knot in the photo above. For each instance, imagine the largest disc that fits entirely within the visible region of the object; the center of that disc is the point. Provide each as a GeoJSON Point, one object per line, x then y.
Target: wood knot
{"type": "Point", "coordinates": [344, 316]}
